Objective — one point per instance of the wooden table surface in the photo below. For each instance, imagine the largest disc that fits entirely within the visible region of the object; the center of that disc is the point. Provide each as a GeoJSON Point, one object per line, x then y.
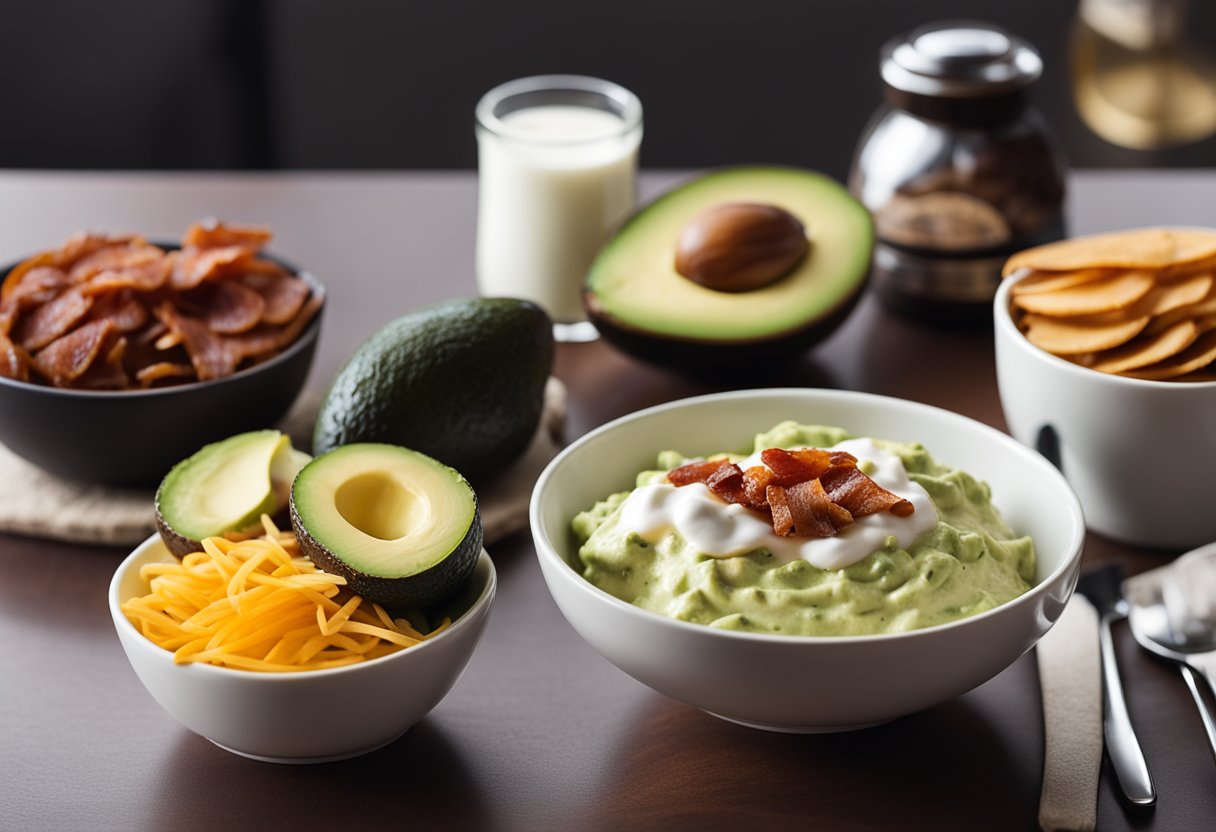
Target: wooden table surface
{"type": "Point", "coordinates": [541, 732]}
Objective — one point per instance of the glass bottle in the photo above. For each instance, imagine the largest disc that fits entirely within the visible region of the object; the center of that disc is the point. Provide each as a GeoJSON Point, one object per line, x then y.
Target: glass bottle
{"type": "Point", "coordinates": [958, 170]}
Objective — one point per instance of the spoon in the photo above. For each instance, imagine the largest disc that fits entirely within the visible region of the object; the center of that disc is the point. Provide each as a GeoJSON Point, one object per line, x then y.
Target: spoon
{"type": "Point", "coordinates": [1194, 651]}
{"type": "Point", "coordinates": [1103, 588]}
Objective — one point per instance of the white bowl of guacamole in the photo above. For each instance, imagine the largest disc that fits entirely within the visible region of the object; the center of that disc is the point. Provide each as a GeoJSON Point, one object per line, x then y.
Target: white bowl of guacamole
{"type": "Point", "coordinates": [766, 637]}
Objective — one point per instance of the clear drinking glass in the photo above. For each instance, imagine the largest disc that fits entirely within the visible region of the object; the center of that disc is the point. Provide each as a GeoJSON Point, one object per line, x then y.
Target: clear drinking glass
{"type": "Point", "coordinates": [557, 172]}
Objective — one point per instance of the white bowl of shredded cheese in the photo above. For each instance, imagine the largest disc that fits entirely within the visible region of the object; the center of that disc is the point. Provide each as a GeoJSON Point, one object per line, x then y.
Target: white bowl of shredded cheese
{"type": "Point", "coordinates": [328, 712]}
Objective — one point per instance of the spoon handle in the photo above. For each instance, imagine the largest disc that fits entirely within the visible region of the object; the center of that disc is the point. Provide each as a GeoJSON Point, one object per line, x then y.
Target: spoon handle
{"type": "Point", "coordinates": [1121, 744]}
{"type": "Point", "coordinates": [1209, 723]}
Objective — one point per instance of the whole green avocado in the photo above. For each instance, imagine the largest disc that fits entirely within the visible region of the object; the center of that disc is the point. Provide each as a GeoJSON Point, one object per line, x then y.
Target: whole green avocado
{"type": "Point", "coordinates": [462, 381]}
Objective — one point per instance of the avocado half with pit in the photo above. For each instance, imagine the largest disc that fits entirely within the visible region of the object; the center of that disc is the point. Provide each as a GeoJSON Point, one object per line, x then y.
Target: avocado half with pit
{"type": "Point", "coordinates": [226, 487]}
{"type": "Point", "coordinates": [401, 527]}
{"type": "Point", "coordinates": [732, 271]}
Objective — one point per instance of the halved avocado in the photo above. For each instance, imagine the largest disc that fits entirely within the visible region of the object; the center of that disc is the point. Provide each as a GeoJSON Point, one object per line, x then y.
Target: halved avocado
{"type": "Point", "coordinates": [643, 305]}
{"type": "Point", "coordinates": [226, 487]}
{"type": "Point", "coordinates": [401, 527]}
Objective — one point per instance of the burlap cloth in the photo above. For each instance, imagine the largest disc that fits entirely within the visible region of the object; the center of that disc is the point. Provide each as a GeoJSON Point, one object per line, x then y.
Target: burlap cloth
{"type": "Point", "coordinates": [36, 503]}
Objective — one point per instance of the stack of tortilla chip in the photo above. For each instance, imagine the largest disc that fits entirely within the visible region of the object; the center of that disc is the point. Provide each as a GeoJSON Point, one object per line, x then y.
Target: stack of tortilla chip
{"type": "Point", "coordinates": [1138, 303]}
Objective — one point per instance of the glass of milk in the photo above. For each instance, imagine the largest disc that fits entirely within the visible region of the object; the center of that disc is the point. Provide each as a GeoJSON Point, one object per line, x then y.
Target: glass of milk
{"type": "Point", "coordinates": [557, 164]}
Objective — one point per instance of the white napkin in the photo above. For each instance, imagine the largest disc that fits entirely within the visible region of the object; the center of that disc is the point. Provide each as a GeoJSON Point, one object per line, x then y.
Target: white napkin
{"type": "Point", "coordinates": [1070, 675]}
{"type": "Point", "coordinates": [1185, 586]}
{"type": "Point", "coordinates": [39, 504]}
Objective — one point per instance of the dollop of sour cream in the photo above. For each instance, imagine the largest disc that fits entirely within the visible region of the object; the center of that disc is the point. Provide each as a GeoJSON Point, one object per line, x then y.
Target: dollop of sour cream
{"type": "Point", "coordinates": [722, 530]}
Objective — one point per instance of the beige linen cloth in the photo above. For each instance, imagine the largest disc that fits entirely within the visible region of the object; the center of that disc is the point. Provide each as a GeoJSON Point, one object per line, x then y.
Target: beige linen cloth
{"type": "Point", "coordinates": [1070, 675]}
{"type": "Point", "coordinates": [36, 503]}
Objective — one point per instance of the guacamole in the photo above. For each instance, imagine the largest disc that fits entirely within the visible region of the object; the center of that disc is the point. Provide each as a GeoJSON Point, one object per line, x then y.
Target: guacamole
{"type": "Point", "coordinates": [966, 562]}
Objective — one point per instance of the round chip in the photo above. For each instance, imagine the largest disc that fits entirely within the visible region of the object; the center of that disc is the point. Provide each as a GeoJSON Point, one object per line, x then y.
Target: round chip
{"type": "Point", "coordinates": [1072, 336]}
{"type": "Point", "coordinates": [1092, 297]}
{"type": "Point", "coordinates": [1205, 306]}
{"type": "Point", "coordinates": [1167, 296]}
{"type": "Point", "coordinates": [1188, 363]}
{"type": "Point", "coordinates": [1143, 248]}
{"type": "Point", "coordinates": [1039, 282]}
{"type": "Point", "coordinates": [1149, 349]}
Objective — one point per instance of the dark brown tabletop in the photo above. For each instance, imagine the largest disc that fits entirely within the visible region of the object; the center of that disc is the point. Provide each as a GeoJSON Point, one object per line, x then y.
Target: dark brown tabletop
{"type": "Point", "coordinates": [541, 732]}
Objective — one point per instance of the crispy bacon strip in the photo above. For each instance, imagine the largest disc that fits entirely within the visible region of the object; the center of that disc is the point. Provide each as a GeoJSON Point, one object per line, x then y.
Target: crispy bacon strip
{"type": "Point", "coordinates": [84, 243]}
{"type": "Point", "coordinates": [193, 266]}
{"type": "Point", "coordinates": [231, 307]}
{"type": "Point", "coordinates": [727, 483]}
{"type": "Point", "coordinates": [143, 277]}
{"type": "Point", "coordinates": [283, 294]}
{"type": "Point", "coordinates": [52, 320]}
{"type": "Point", "coordinates": [860, 495]}
{"type": "Point", "coordinates": [262, 340]}
{"type": "Point", "coordinates": [261, 267]}
{"type": "Point", "coordinates": [123, 310]}
{"type": "Point", "coordinates": [792, 467]}
{"type": "Point", "coordinates": [37, 285]}
{"type": "Point", "coordinates": [814, 513]}
{"type": "Point", "coordinates": [783, 515]}
{"type": "Point", "coordinates": [756, 481]}
{"type": "Point", "coordinates": [695, 472]}
{"type": "Point", "coordinates": [108, 374]}
{"type": "Point", "coordinates": [806, 511]}
{"type": "Point", "coordinates": [209, 353]}
{"type": "Point", "coordinates": [67, 358]}
{"type": "Point", "coordinates": [14, 361]}
{"type": "Point", "coordinates": [17, 274]}
{"type": "Point", "coordinates": [213, 234]}
{"type": "Point", "coordinates": [114, 259]}
{"type": "Point", "coordinates": [152, 373]}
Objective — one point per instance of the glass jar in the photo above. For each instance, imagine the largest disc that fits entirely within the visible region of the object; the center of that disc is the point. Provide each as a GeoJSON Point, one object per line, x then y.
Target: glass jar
{"type": "Point", "coordinates": [958, 171]}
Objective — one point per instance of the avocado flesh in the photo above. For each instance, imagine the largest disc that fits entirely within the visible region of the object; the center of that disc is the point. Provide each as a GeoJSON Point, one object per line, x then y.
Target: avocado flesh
{"type": "Point", "coordinates": [401, 527]}
{"type": "Point", "coordinates": [462, 381]}
{"type": "Point", "coordinates": [633, 283]}
{"type": "Point", "coordinates": [225, 486]}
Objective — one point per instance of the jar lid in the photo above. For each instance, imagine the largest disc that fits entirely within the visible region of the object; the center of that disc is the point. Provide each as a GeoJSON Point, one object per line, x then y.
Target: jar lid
{"type": "Point", "coordinates": [959, 59]}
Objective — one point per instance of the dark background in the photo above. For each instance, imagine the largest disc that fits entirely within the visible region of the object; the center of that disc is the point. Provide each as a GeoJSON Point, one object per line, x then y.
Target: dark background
{"type": "Point", "coordinates": [321, 84]}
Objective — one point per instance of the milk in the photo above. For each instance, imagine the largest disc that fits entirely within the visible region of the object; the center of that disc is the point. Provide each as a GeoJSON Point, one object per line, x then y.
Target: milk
{"type": "Point", "coordinates": [555, 180]}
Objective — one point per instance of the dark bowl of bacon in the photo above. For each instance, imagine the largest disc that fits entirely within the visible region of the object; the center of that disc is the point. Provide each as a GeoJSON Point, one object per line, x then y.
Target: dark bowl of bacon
{"type": "Point", "coordinates": [120, 357]}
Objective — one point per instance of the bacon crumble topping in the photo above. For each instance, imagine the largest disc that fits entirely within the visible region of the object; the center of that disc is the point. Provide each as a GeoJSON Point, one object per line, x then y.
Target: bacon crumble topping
{"type": "Point", "coordinates": [809, 492]}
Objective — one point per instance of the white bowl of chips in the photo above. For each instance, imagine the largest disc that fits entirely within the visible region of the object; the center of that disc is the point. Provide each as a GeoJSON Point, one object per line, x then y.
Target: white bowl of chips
{"type": "Point", "coordinates": [306, 716]}
{"type": "Point", "coordinates": [1104, 353]}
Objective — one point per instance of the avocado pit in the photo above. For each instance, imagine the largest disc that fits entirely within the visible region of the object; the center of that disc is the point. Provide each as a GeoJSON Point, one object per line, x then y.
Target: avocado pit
{"type": "Point", "coordinates": [740, 246]}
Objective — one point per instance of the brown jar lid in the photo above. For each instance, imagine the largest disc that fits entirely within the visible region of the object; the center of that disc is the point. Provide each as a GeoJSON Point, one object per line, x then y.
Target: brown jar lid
{"type": "Point", "coordinates": [959, 59]}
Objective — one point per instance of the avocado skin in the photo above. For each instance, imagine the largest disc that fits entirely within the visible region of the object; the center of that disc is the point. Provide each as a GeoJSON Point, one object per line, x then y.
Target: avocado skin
{"type": "Point", "coordinates": [178, 544]}
{"type": "Point", "coordinates": [426, 589]}
{"type": "Point", "coordinates": [462, 381]}
{"type": "Point", "coordinates": [717, 361]}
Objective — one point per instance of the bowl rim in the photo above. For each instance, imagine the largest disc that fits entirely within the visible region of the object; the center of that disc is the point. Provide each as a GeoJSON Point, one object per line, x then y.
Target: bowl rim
{"type": "Point", "coordinates": [545, 551]}
{"type": "Point", "coordinates": [160, 654]}
{"type": "Point", "coordinates": [302, 341]}
{"type": "Point", "coordinates": [1006, 327]}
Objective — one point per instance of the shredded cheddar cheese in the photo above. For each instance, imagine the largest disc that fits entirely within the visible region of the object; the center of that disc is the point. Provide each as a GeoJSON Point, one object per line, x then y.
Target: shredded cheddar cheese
{"type": "Point", "coordinates": [257, 604]}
